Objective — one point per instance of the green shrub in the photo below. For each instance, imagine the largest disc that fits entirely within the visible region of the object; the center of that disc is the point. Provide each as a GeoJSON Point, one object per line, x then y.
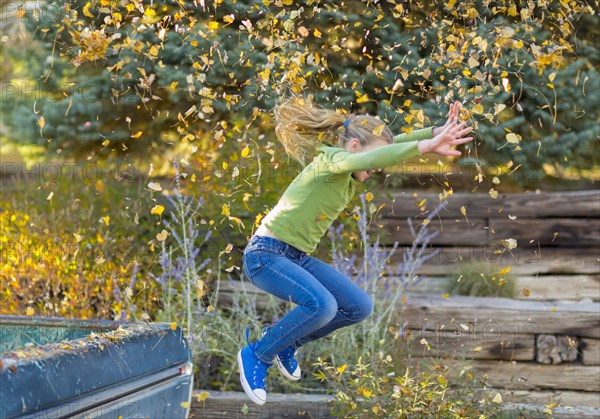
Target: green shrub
{"type": "Point", "coordinates": [374, 389]}
{"type": "Point", "coordinates": [481, 279]}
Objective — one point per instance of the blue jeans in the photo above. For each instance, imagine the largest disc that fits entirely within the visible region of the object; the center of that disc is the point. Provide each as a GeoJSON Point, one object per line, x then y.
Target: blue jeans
{"type": "Point", "coordinates": [326, 299]}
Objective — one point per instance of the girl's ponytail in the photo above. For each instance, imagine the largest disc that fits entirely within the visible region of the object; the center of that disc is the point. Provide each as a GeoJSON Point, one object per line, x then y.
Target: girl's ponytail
{"type": "Point", "coordinates": [301, 125]}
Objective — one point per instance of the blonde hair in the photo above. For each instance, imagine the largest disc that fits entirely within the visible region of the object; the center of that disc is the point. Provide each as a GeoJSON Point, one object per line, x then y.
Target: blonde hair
{"type": "Point", "coordinates": [301, 126]}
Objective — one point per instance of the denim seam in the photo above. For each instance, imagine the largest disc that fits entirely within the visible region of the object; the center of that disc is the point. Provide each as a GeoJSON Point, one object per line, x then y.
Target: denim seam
{"type": "Point", "coordinates": [297, 325]}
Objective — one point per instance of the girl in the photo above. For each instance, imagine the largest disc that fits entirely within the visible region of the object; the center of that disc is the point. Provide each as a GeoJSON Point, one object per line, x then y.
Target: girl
{"type": "Point", "coordinates": [277, 258]}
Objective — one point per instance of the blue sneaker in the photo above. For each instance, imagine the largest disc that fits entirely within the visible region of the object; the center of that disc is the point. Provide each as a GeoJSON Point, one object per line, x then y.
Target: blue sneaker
{"type": "Point", "coordinates": [286, 362]}
{"type": "Point", "coordinates": [253, 372]}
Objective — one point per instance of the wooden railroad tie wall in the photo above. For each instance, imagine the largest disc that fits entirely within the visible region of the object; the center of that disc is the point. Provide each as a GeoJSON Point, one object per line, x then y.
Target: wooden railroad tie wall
{"type": "Point", "coordinates": [546, 341]}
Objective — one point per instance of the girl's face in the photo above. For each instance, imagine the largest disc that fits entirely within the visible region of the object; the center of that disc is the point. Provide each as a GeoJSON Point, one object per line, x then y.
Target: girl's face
{"type": "Point", "coordinates": [355, 147]}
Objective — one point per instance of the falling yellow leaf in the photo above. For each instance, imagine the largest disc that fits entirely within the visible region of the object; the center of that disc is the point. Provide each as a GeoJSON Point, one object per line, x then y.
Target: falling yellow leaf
{"type": "Point", "coordinates": [342, 368]}
{"type": "Point", "coordinates": [155, 186]}
{"type": "Point", "coordinates": [504, 270]}
{"type": "Point", "coordinates": [137, 134]}
{"type": "Point", "coordinates": [463, 211]}
{"type": "Point", "coordinates": [303, 31]}
{"type": "Point", "coordinates": [105, 143]}
{"type": "Point", "coordinates": [157, 209]}
{"type": "Point", "coordinates": [513, 138]}
{"type": "Point", "coordinates": [225, 210]}
{"type": "Point", "coordinates": [445, 295]}
{"type": "Point", "coordinates": [477, 349]}
{"type": "Point", "coordinates": [526, 292]}
{"type": "Point", "coordinates": [364, 392]}
{"type": "Point", "coordinates": [202, 396]}
{"type": "Point", "coordinates": [185, 405]}
{"type": "Point", "coordinates": [363, 98]}
{"type": "Point", "coordinates": [472, 62]}
{"type": "Point", "coordinates": [173, 326]}
{"type": "Point", "coordinates": [86, 10]}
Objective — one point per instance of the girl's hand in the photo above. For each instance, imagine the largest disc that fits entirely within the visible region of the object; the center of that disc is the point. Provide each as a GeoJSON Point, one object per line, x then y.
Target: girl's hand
{"type": "Point", "coordinates": [451, 134]}
{"type": "Point", "coordinates": [453, 112]}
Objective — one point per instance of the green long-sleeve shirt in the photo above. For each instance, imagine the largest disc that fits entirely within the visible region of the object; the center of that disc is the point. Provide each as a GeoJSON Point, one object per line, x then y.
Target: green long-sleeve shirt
{"type": "Point", "coordinates": [319, 193]}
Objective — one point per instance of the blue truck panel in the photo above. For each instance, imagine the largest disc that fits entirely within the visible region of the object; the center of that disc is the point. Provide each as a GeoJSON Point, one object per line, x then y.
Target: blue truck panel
{"type": "Point", "coordinates": [109, 369]}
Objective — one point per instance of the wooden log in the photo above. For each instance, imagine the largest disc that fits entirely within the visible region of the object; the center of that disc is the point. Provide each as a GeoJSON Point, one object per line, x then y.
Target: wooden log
{"type": "Point", "coordinates": [545, 397]}
{"type": "Point", "coordinates": [522, 261]}
{"type": "Point", "coordinates": [559, 287]}
{"type": "Point", "coordinates": [543, 287]}
{"type": "Point", "coordinates": [543, 204]}
{"type": "Point", "coordinates": [552, 349]}
{"type": "Point", "coordinates": [228, 404]}
{"type": "Point", "coordinates": [481, 232]}
{"type": "Point", "coordinates": [451, 232]}
{"type": "Point", "coordinates": [457, 344]}
{"type": "Point", "coordinates": [501, 317]}
{"type": "Point", "coordinates": [564, 232]}
{"type": "Point", "coordinates": [531, 375]}
{"type": "Point", "coordinates": [590, 351]}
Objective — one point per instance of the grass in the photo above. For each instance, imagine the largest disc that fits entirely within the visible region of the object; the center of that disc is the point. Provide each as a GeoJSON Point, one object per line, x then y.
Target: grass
{"type": "Point", "coordinates": [482, 280]}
